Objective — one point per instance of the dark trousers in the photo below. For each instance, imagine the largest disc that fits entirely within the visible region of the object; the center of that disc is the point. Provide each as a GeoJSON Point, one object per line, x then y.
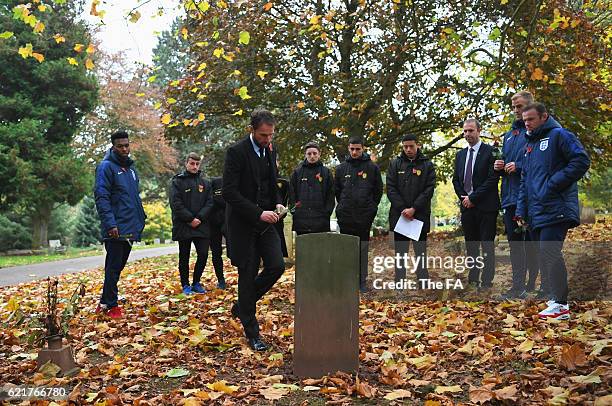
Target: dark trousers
{"type": "Point", "coordinates": [201, 246]}
{"type": "Point", "coordinates": [280, 229]}
{"type": "Point", "coordinates": [117, 253]}
{"type": "Point", "coordinates": [364, 239]}
{"type": "Point", "coordinates": [552, 264]}
{"type": "Point", "coordinates": [479, 230]}
{"type": "Point", "coordinates": [402, 245]}
{"type": "Point", "coordinates": [216, 249]}
{"type": "Point", "coordinates": [523, 253]}
{"type": "Point", "coordinates": [252, 285]}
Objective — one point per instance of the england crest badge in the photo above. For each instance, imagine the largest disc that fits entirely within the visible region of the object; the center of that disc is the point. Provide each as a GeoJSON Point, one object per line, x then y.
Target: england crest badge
{"type": "Point", "coordinates": [544, 144]}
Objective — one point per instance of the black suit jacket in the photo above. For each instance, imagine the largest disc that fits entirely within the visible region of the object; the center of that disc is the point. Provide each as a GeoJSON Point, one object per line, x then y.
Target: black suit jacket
{"type": "Point", "coordinates": [241, 185]}
{"type": "Point", "coordinates": [484, 179]}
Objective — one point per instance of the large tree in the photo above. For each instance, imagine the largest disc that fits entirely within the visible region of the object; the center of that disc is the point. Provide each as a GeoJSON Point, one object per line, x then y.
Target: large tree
{"type": "Point", "coordinates": [45, 91]}
{"type": "Point", "coordinates": [375, 69]}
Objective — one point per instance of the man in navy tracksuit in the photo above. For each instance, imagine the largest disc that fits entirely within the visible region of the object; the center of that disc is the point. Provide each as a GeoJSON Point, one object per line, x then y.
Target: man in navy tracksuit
{"type": "Point", "coordinates": [121, 215]}
{"type": "Point", "coordinates": [523, 253]}
{"type": "Point", "coordinates": [553, 163]}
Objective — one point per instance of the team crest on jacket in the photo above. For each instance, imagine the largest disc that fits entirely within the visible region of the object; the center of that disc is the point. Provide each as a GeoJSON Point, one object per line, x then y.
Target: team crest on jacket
{"type": "Point", "coordinates": [544, 144]}
{"type": "Point", "coordinates": [200, 188]}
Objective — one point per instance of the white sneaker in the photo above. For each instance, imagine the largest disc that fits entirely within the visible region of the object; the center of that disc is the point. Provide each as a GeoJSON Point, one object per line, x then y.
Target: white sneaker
{"type": "Point", "coordinates": [555, 311]}
{"type": "Point", "coordinates": [550, 302]}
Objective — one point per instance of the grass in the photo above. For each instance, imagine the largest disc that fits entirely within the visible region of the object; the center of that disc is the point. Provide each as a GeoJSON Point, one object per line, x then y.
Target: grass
{"type": "Point", "coordinates": [16, 260]}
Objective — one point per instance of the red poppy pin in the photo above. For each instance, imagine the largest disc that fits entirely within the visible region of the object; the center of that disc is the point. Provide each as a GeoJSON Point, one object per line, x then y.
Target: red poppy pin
{"type": "Point", "coordinates": [529, 149]}
{"type": "Point", "coordinates": [298, 204]}
{"type": "Point", "coordinates": [200, 188]}
{"type": "Point", "coordinates": [515, 132]}
{"type": "Point", "coordinates": [319, 177]}
{"type": "Point", "coordinates": [416, 171]}
{"type": "Point", "coordinates": [362, 174]}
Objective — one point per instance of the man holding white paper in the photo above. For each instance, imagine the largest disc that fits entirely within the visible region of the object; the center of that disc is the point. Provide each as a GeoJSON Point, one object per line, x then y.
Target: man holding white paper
{"type": "Point", "coordinates": [411, 179]}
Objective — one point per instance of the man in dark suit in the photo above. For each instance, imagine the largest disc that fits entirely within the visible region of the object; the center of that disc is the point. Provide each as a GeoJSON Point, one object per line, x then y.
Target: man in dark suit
{"type": "Point", "coordinates": [475, 184]}
{"type": "Point", "coordinates": [217, 230]}
{"type": "Point", "coordinates": [252, 202]}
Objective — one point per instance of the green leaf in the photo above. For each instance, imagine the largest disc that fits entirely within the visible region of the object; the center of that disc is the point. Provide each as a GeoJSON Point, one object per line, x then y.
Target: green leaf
{"type": "Point", "coordinates": [243, 93]}
{"type": "Point", "coordinates": [245, 37]}
{"type": "Point", "coordinates": [177, 373]}
{"type": "Point", "coordinates": [495, 34]}
{"type": "Point", "coordinates": [6, 35]}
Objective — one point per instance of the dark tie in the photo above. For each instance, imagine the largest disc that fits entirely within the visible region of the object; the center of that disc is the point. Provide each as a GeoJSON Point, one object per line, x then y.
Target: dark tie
{"type": "Point", "coordinates": [467, 180]}
{"type": "Point", "coordinates": [261, 152]}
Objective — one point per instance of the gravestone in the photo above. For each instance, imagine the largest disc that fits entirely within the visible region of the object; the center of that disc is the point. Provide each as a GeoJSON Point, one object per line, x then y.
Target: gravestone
{"type": "Point", "coordinates": [326, 328]}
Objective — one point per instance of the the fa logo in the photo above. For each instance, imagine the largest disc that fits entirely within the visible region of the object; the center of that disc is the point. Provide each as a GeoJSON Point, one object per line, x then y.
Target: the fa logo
{"type": "Point", "coordinates": [544, 144]}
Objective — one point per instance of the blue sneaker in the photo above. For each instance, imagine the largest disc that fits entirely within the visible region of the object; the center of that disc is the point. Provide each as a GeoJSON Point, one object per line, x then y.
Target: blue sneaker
{"type": "Point", "coordinates": [221, 284]}
{"type": "Point", "coordinates": [187, 290]}
{"type": "Point", "coordinates": [198, 288]}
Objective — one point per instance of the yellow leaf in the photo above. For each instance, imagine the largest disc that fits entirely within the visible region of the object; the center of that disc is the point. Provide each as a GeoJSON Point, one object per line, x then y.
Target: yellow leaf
{"type": "Point", "coordinates": [93, 11]}
{"type": "Point", "coordinates": [157, 105]}
{"type": "Point", "coordinates": [25, 51]}
{"type": "Point", "coordinates": [42, 8]}
{"type": "Point", "coordinates": [58, 38]}
{"type": "Point", "coordinates": [262, 73]}
{"type": "Point", "coordinates": [525, 346]}
{"type": "Point", "coordinates": [221, 4]}
{"type": "Point", "coordinates": [171, 100]}
{"type": "Point", "coordinates": [186, 122]}
{"type": "Point", "coordinates": [398, 394]}
{"type": "Point", "coordinates": [314, 20]}
{"type": "Point", "coordinates": [236, 72]}
{"type": "Point", "coordinates": [201, 116]}
{"type": "Point", "coordinates": [38, 57]}
{"type": "Point", "coordinates": [90, 49]}
{"type": "Point", "coordinates": [238, 113]}
{"type": "Point", "coordinates": [537, 74]}
{"type": "Point", "coordinates": [78, 47]}
{"type": "Point", "coordinates": [39, 27]}
{"type": "Point", "coordinates": [338, 26]}
{"type": "Point", "coordinates": [504, 2]}
{"type": "Point", "coordinates": [135, 16]}
{"type": "Point", "coordinates": [604, 107]}
{"type": "Point", "coordinates": [268, 6]}
{"type": "Point", "coordinates": [174, 83]}
{"type": "Point", "coordinates": [300, 105]}
{"type": "Point", "coordinates": [243, 93]}
{"type": "Point", "coordinates": [166, 118]}
{"type": "Point", "coordinates": [12, 304]}
{"type": "Point", "coordinates": [218, 52]}
{"type": "Point", "coordinates": [140, 94]}
{"type": "Point", "coordinates": [89, 64]}
{"type": "Point", "coordinates": [545, 57]}
{"type": "Point", "coordinates": [184, 32]}
{"type": "Point", "coordinates": [229, 56]}
{"type": "Point", "coordinates": [202, 66]}
{"type": "Point", "coordinates": [6, 35]}
{"type": "Point", "coordinates": [244, 37]}
{"type": "Point", "coordinates": [221, 386]}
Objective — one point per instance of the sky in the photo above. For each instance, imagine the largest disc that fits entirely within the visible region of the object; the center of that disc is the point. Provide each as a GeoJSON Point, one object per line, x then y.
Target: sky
{"type": "Point", "coordinates": [137, 39]}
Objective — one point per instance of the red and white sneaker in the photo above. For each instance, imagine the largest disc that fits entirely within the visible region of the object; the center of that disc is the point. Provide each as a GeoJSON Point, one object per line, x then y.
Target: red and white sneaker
{"type": "Point", "coordinates": [556, 311]}
{"type": "Point", "coordinates": [113, 312]}
{"type": "Point", "coordinates": [102, 308]}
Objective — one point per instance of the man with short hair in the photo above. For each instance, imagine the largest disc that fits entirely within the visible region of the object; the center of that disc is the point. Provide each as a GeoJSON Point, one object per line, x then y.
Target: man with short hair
{"type": "Point", "coordinates": [475, 183]}
{"type": "Point", "coordinates": [522, 255]}
{"type": "Point", "coordinates": [358, 188]}
{"type": "Point", "coordinates": [252, 207]}
{"type": "Point", "coordinates": [554, 161]}
{"type": "Point", "coordinates": [411, 179]}
{"type": "Point", "coordinates": [191, 202]}
{"type": "Point", "coordinates": [312, 187]}
{"type": "Point", "coordinates": [122, 216]}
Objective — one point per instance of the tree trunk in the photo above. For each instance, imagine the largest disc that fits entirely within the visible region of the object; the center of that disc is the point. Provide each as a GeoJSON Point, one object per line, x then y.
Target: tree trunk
{"type": "Point", "coordinates": [40, 227]}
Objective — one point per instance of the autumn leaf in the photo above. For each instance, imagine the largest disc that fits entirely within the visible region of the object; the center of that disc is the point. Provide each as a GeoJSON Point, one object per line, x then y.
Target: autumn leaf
{"type": "Point", "coordinates": [244, 37]}
{"type": "Point", "coordinates": [480, 394]}
{"type": "Point", "coordinates": [398, 394]}
{"type": "Point", "coordinates": [221, 386]}
{"type": "Point", "coordinates": [39, 27]}
{"type": "Point", "coordinates": [59, 38]}
{"type": "Point", "coordinates": [537, 74]}
{"type": "Point", "coordinates": [90, 49]}
{"type": "Point", "coordinates": [243, 93]}
{"type": "Point", "coordinates": [166, 118]}
{"type": "Point", "coordinates": [12, 305]}
{"type": "Point", "coordinates": [42, 8]}
{"type": "Point", "coordinates": [72, 61]}
{"type": "Point", "coordinates": [507, 393]}
{"type": "Point", "coordinates": [89, 64]}
{"type": "Point", "coordinates": [268, 6]}
{"type": "Point", "coordinates": [134, 16]}
{"type": "Point", "coordinates": [177, 373]}
{"type": "Point", "coordinates": [78, 47]}
{"type": "Point", "coordinates": [525, 346]}
{"type": "Point", "coordinates": [262, 74]}
{"type": "Point", "coordinates": [201, 116]}
{"type": "Point", "coordinates": [38, 57]}
{"type": "Point", "coordinates": [49, 369]}
{"type": "Point", "coordinates": [272, 393]}
{"type": "Point", "coordinates": [572, 356]}
{"type": "Point", "coordinates": [6, 35]}
{"type": "Point", "coordinates": [184, 32]}
{"type": "Point", "coordinates": [445, 389]}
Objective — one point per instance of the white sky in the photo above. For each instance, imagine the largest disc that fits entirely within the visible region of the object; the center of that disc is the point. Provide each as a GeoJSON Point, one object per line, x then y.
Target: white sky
{"type": "Point", "coordinates": [136, 39]}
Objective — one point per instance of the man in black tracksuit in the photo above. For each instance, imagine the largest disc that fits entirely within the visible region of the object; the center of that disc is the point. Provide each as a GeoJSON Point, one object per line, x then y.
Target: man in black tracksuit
{"type": "Point", "coordinates": [312, 187]}
{"type": "Point", "coordinates": [191, 202]}
{"type": "Point", "coordinates": [411, 179]}
{"type": "Point", "coordinates": [217, 230]}
{"type": "Point", "coordinates": [358, 188]}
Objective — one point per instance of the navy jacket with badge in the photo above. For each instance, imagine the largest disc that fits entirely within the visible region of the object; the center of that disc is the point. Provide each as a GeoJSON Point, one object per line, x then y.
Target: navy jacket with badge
{"type": "Point", "coordinates": [554, 161]}
{"type": "Point", "coordinates": [312, 187]}
{"type": "Point", "coordinates": [358, 188]}
{"type": "Point", "coordinates": [117, 198]}
{"type": "Point", "coordinates": [190, 197]}
{"type": "Point", "coordinates": [513, 151]}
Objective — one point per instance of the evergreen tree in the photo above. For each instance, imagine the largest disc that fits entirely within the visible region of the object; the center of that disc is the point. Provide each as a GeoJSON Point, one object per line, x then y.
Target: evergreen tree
{"type": "Point", "coordinates": [87, 227]}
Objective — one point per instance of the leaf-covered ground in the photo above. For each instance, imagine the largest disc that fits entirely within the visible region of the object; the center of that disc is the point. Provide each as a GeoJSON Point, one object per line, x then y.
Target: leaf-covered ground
{"type": "Point", "coordinates": [172, 349]}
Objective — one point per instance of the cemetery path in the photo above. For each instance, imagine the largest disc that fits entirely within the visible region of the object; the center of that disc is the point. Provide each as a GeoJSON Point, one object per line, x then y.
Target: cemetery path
{"type": "Point", "coordinates": [26, 273]}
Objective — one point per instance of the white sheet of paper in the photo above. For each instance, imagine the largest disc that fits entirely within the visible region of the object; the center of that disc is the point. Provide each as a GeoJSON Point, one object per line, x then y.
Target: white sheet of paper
{"type": "Point", "coordinates": [409, 228]}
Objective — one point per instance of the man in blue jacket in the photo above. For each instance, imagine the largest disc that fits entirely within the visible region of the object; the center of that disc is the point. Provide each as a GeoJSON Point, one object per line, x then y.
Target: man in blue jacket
{"type": "Point", "coordinates": [121, 215]}
{"type": "Point", "coordinates": [553, 163]}
{"type": "Point", "coordinates": [523, 253]}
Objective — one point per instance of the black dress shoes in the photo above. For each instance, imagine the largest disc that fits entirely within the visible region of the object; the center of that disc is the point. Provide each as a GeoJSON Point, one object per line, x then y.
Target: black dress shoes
{"type": "Point", "coordinates": [257, 345]}
{"type": "Point", "coordinates": [235, 312]}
